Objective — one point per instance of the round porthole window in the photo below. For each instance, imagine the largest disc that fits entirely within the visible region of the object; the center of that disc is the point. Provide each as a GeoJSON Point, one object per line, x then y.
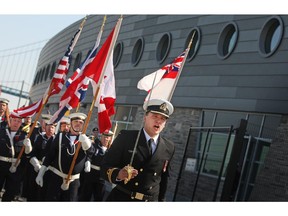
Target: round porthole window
{"type": "Point", "coordinates": [163, 47]}
{"type": "Point", "coordinates": [52, 71]}
{"type": "Point", "coordinates": [227, 40]}
{"type": "Point", "coordinates": [195, 43]}
{"type": "Point", "coordinates": [137, 51]}
{"type": "Point", "coordinates": [271, 36]}
{"type": "Point", "coordinates": [117, 53]}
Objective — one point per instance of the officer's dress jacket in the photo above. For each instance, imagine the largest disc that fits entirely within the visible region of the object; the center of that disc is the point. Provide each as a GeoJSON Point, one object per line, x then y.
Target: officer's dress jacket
{"type": "Point", "coordinates": [153, 170]}
{"type": "Point", "coordinates": [67, 154]}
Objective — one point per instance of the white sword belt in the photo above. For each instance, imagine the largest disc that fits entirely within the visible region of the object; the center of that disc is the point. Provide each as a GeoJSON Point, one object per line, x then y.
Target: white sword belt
{"type": "Point", "coordinates": [7, 159]}
{"type": "Point", "coordinates": [95, 167]}
{"type": "Point", "coordinates": [63, 175]}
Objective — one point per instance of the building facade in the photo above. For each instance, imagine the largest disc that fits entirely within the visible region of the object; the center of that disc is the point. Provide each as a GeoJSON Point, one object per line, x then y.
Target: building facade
{"type": "Point", "coordinates": [236, 70]}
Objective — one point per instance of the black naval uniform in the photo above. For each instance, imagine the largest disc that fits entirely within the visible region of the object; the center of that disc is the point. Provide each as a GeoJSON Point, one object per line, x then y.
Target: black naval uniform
{"type": "Point", "coordinates": [40, 148]}
{"type": "Point", "coordinates": [93, 184]}
{"type": "Point", "coordinates": [25, 160]}
{"type": "Point", "coordinates": [54, 191]}
{"type": "Point", "coordinates": [153, 170]}
{"type": "Point", "coordinates": [12, 180]}
{"type": "Point", "coordinates": [3, 122]}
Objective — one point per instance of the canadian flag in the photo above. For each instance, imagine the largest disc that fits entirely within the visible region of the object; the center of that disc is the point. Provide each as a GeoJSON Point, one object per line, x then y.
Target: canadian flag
{"type": "Point", "coordinates": [106, 99]}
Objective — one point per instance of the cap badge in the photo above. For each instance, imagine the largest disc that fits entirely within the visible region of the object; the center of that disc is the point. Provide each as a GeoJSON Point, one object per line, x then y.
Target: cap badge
{"type": "Point", "coordinates": [163, 107]}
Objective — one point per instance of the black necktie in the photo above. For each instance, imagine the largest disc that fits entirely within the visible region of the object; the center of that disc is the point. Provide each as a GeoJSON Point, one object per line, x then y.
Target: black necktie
{"type": "Point", "coordinates": [150, 141]}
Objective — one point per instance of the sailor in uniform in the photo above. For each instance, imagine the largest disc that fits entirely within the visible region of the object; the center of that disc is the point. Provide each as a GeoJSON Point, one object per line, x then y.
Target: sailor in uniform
{"type": "Point", "coordinates": [93, 184]}
{"type": "Point", "coordinates": [59, 159]}
{"type": "Point", "coordinates": [37, 155]}
{"type": "Point", "coordinates": [64, 124]}
{"type": "Point", "coordinates": [147, 177]}
{"type": "Point", "coordinates": [3, 112]}
{"type": "Point", "coordinates": [11, 141]}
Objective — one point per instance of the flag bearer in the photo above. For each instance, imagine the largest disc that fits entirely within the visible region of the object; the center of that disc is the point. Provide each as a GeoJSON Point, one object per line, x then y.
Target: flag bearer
{"type": "Point", "coordinates": [59, 158]}
{"type": "Point", "coordinates": [36, 157]}
{"type": "Point", "coordinates": [11, 141]}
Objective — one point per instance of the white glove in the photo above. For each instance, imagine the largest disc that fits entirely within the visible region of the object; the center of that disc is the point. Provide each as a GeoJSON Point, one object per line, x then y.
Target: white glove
{"type": "Point", "coordinates": [13, 168]}
{"type": "Point", "coordinates": [28, 146]}
{"type": "Point", "coordinates": [87, 166]}
{"type": "Point", "coordinates": [34, 161]}
{"type": "Point", "coordinates": [85, 142]}
{"type": "Point", "coordinates": [39, 178]}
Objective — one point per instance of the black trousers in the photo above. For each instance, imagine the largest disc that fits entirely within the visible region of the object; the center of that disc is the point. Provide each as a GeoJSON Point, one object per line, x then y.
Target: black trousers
{"type": "Point", "coordinates": [55, 193]}
{"type": "Point", "coordinates": [92, 189]}
{"type": "Point", "coordinates": [12, 181]}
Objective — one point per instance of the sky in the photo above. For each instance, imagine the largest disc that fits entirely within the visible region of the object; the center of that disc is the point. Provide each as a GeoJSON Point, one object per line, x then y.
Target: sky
{"type": "Point", "coordinates": [24, 24]}
{"type": "Point", "coordinates": [21, 30]}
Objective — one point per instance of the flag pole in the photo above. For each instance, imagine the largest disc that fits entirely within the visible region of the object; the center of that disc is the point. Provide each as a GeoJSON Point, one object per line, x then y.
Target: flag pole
{"type": "Point", "coordinates": [33, 125]}
{"type": "Point", "coordinates": [129, 167]}
{"type": "Point", "coordinates": [7, 113]}
{"type": "Point", "coordinates": [101, 30]}
{"type": "Point", "coordinates": [182, 65]}
{"type": "Point", "coordinates": [66, 183]}
{"type": "Point", "coordinates": [47, 95]}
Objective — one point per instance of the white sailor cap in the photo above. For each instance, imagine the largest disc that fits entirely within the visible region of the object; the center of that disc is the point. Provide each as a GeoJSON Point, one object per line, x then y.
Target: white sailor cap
{"type": "Point", "coordinates": [65, 119]}
{"type": "Point", "coordinates": [159, 106]}
{"type": "Point", "coordinates": [46, 117]}
{"type": "Point", "coordinates": [78, 115]}
{"type": "Point", "coordinates": [4, 100]}
{"type": "Point", "coordinates": [107, 133]}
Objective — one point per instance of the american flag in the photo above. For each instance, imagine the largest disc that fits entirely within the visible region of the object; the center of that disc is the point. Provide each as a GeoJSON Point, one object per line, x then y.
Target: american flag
{"type": "Point", "coordinates": [57, 81]}
{"type": "Point", "coordinates": [161, 82]}
{"type": "Point", "coordinates": [59, 77]}
{"type": "Point", "coordinates": [89, 58]}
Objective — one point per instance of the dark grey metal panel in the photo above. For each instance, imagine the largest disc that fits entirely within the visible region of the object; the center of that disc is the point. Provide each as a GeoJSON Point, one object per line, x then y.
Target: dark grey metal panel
{"type": "Point", "coordinates": [239, 82]}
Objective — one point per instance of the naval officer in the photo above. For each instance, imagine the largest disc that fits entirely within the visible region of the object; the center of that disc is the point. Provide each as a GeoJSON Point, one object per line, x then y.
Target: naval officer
{"type": "Point", "coordinates": [150, 168]}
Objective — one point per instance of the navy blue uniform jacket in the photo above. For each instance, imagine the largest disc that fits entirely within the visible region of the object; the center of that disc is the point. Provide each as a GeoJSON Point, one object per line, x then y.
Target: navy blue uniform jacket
{"type": "Point", "coordinates": [153, 171]}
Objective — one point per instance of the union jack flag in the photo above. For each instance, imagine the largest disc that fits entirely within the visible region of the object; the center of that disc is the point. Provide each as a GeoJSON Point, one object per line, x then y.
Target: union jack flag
{"type": "Point", "coordinates": [76, 91]}
{"type": "Point", "coordinates": [89, 58]}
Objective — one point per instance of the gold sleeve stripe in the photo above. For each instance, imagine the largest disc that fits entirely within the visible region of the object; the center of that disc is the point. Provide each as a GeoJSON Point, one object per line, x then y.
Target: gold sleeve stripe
{"type": "Point", "coordinates": [109, 174]}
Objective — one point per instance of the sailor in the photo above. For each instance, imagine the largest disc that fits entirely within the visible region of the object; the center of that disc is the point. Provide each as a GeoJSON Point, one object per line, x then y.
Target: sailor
{"type": "Point", "coordinates": [44, 118]}
{"type": "Point", "coordinates": [11, 141]}
{"type": "Point", "coordinates": [146, 178]}
{"type": "Point", "coordinates": [64, 124]}
{"type": "Point", "coordinates": [93, 188]}
{"type": "Point", "coordinates": [37, 155]}
{"type": "Point", "coordinates": [3, 112]}
{"type": "Point", "coordinates": [59, 159]}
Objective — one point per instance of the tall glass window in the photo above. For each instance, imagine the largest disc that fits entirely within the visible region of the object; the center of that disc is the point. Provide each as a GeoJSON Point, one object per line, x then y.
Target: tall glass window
{"type": "Point", "coordinates": [124, 117]}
